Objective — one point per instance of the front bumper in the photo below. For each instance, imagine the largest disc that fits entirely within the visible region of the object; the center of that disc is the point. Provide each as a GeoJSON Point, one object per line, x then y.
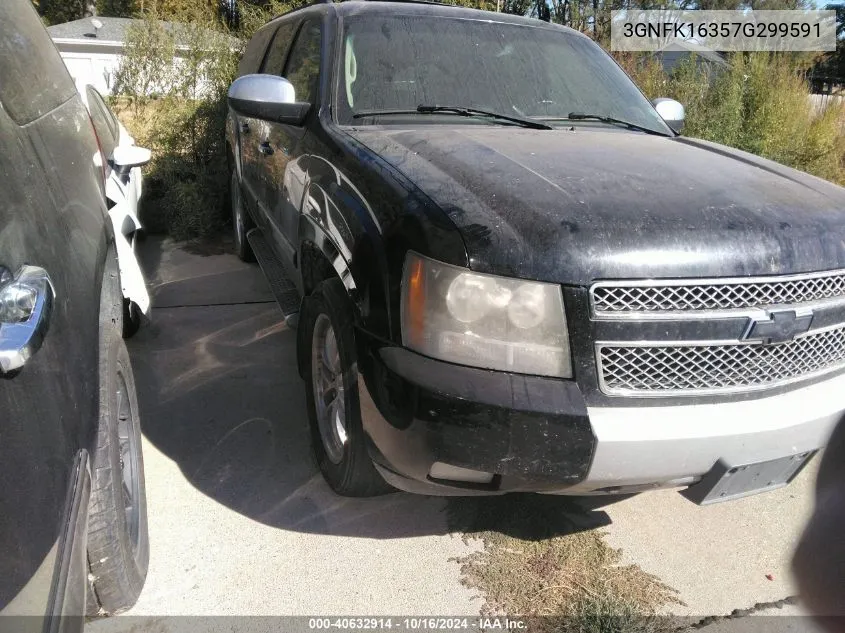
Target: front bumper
{"type": "Point", "coordinates": [437, 428]}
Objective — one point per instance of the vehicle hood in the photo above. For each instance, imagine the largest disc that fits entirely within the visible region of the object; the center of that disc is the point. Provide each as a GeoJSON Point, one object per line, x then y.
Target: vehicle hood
{"type": "Point", "coordinates": [578, 204]}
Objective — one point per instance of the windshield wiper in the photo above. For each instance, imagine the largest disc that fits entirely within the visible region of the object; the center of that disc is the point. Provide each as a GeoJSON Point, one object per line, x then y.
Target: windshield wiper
{"type": "Point", "coordinates": [460, 111]}
{"type": "Point", "coordinates": [580, 116]}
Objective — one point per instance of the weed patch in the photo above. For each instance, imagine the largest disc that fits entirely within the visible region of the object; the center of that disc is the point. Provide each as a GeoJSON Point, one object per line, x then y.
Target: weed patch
{"type": "Point", "coordinates": [545, 557]}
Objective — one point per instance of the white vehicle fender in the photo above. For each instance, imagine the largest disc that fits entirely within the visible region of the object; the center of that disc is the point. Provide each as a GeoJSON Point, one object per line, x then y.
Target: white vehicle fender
{"type": "Point", "coordinates": [131, 277]}
{"type": "Point", "coordinates": [116, 192]}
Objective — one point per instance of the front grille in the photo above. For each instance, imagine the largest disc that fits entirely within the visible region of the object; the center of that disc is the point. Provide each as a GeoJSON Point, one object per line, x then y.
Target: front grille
{"type": "Point", "coordinates": [618, 298]}
{"type": "Point", "coordinates": [717, 368]}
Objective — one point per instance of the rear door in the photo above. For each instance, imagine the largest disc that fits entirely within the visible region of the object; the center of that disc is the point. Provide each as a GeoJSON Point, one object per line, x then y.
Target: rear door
{"type": "Point", "coordinates": [52, 215]}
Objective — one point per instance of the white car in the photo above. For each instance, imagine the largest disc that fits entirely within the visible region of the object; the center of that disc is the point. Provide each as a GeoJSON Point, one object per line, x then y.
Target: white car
{"type": "Point", "coordinates": [123, 188]}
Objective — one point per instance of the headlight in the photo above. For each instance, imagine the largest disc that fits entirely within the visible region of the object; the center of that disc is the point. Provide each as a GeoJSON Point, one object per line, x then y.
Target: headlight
{"type": "Point", "coordinates": [485, 321]}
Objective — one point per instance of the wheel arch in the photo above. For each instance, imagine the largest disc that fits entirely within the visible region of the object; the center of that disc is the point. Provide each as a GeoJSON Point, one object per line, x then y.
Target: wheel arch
{"type": "Point", "coordinates": [318, 254]}
{"type": "Point", "coordinates": [319, 260]}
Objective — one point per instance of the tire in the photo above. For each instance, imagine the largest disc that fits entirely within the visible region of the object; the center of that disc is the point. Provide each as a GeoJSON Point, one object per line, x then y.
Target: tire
{"type": "Point", "coordinates": [330, 338]}
{"type": "Point", "coordinates": [118, 542]}
{"type": "Point", "coordinates": [241, 222]}
{"type": "Point", "coordinates": [131, 319]}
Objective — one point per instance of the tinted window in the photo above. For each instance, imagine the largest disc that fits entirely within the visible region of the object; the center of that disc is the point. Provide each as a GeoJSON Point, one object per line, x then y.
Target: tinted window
{"type": "Point", "coordinates": [254, 53]}
{"type": "Point", "coordinates": [400, 62]}
{"type": "Point", "coordinates": [94, 97]}
{"type": "Point", "coordinates": [102, 119]}
{"type": "Point", "coordinates": [303, 67]}
{"type": "Point", "coordinates": [33, 78]}
{"type": "Point", "coordinates": [275, 62]}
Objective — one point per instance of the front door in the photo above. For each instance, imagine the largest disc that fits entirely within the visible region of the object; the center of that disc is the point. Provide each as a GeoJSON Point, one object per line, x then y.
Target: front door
{"type": "Point", "coordinates": [303, 71]}
{"type": "Point", "coordinates": [284, 170]}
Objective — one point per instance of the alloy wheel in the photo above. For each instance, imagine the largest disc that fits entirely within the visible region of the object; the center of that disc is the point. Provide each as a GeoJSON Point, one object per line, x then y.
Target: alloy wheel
{"type": "Point", "coordinates": [329, 395]}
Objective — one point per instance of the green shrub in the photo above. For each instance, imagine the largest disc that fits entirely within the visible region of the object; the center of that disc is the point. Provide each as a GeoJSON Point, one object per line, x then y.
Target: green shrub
{"type": "Point", "coordinates": [759, 104]}
{"type": "Point", "coordinates": [182, 123]}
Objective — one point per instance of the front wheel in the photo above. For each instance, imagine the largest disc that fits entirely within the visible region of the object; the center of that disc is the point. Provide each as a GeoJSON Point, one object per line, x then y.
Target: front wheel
{"type": "Point", "coordinates": [241, 222]}
{"type": "Point", "coordinates": [131, 318]}
{"type": "Point", "coordinates": [334, 412]}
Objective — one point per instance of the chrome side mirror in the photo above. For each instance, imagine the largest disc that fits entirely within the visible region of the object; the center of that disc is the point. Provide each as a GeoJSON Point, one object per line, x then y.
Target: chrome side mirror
{"type": "Point", "coordinates": [267, 97]}
{"type": "Point", "coordinates": [125, 157]}
{"type": "Point", "coordinates": [671, 111]}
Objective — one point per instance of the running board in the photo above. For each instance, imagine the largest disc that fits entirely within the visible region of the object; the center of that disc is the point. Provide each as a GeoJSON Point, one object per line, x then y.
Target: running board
{"type": "Point", "coordinates": [283, 288]}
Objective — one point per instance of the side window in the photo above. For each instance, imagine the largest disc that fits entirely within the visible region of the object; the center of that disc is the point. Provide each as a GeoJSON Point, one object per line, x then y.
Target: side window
{"type": "Point", "coordinates": [33, 78]}
{"type": "Point", "coordinates": [303, 67]}
{"type": "Point", "coordinates": [108, 115]}
{"type": "Point", "coordinates": [255, 50]}
{"type": "Point", "coordinates": [275, 62]}
{"type": "Point", "coordinates": [100, 119]}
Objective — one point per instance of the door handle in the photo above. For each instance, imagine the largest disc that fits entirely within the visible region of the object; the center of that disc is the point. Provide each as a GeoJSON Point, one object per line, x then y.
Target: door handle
{"type": "Point", "coordinates": [244, 128]}
{"type": "Point", "coordinates": [26, 303]}
{"type": "Point", "coordinates": [265, 148]}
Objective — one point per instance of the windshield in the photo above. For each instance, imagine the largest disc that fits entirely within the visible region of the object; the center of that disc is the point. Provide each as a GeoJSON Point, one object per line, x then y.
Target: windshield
{"type": "Point", "coordinates": [396, 62]}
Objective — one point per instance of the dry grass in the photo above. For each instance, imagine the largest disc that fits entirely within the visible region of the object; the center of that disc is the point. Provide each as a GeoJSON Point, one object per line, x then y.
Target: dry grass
{"type": "Point", "coordinates": [761, 104]}
{"type": "Point", "coordinates": [540, 558]}
{"type": "Point", "coordinates": [186, 184]}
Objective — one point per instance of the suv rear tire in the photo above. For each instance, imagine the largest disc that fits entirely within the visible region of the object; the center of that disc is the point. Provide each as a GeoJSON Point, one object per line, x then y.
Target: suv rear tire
{"type": "Point", "coordinates": [334, 413]}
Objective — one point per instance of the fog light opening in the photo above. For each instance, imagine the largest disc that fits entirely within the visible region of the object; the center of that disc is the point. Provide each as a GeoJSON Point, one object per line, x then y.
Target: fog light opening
{"type": "Point", "coordinates": [439, 470]}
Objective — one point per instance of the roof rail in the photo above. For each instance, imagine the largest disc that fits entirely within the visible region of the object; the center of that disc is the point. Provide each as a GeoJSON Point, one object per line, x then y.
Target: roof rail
{"type": "Point", "coordinates": [437, 2]}
{"type": "Point", "coordinates": [318, 2]}
{"type": "Point", "coordinates": [304, 6]}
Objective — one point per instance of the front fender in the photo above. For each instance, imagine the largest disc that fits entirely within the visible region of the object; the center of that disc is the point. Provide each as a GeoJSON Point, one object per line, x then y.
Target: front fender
{"type": "Point", "coordinates": [310, 231]}
{"type": "Point", "coordinates": [120, 195]}
{"type": "Point", "coordinates": [339, 219]}
{"type": "Point", "coordinates": [131, 278]}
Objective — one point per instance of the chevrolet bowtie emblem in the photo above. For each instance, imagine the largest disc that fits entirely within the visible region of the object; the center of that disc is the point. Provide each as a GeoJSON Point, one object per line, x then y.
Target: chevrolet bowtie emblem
{"type": "Point", "coordinates": [778, 326]}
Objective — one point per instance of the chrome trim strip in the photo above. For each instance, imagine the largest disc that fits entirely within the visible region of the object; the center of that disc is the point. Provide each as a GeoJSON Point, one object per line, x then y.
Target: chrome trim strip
{"type": "Point", "coordinates": [664, 393]}
{"type": "Point", "coordinates": [604, 315]}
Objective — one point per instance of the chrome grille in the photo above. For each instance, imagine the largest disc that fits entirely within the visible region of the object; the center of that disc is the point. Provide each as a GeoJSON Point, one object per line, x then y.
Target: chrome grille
{"type": "Point", "coordinates": [718, 367]}
{"type": "Point", "coordinates": [619, 298]}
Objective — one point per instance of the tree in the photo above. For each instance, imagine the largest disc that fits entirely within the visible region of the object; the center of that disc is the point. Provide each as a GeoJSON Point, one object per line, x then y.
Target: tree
{"type": "Point", "coordinates": [58, 11]}
{"type": "Point", "coordinates": [183, 10]}
{"type": "Point", "coordinates": [116, 8]}
{"type": "Point", "coordinates": [830, 68]}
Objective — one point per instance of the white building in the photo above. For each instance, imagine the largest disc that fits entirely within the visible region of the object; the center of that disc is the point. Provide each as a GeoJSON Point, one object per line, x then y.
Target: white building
{"type": "Point", "coordinates": [92, 55]}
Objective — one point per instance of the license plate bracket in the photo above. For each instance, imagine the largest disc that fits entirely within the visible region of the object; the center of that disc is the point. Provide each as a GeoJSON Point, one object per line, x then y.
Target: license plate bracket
{"type": "Point", "coordinates": [730, 481]}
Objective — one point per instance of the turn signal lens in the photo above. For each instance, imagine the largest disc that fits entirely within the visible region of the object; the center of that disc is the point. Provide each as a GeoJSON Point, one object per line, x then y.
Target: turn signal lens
{"type": "Point", "coordinates": [414, 293]}
{"type": "Point", "coordinates": [482, 320]}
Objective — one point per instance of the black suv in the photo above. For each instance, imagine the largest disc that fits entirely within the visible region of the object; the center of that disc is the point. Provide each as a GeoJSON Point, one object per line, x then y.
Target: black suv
{"type": "Point", "coordinates": [73, 526]}
{"type": "Point", "coordinates": [510, 273]}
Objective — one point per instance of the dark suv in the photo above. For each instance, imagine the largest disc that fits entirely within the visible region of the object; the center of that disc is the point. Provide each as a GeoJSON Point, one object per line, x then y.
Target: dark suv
{"type": "Point", "coordinates": [515, 275]}
{"type": "Point", "coordinates": [73, 527]}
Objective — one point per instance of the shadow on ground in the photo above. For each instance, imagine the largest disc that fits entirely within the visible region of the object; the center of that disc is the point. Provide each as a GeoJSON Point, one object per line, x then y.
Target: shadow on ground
{"type": "Point", "coordinates": [220, 395]}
